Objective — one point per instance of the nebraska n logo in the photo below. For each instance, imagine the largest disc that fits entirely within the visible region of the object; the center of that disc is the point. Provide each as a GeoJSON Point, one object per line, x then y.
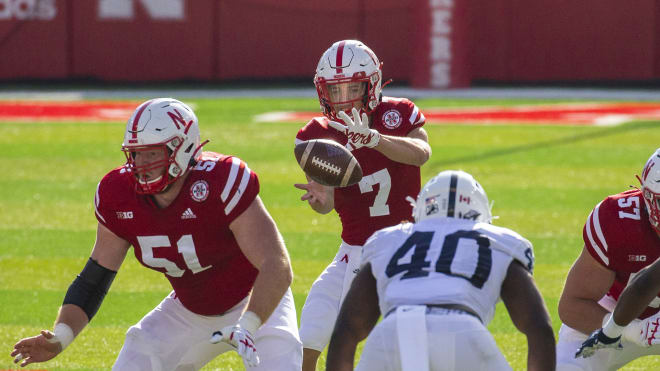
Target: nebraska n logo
{"type": "Point", "coordinates": [177, 118]}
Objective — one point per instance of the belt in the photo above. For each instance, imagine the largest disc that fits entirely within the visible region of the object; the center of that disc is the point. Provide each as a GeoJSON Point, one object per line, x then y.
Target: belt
{"type": "Point", "coordinates": [445, 309]}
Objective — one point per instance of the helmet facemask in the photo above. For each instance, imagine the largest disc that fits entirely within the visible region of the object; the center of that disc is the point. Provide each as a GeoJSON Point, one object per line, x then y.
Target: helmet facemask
{"type": "Point", "coordinates": [344, 94]}
{"type": "Point", "coordinates": [164, 159]}
{"type": "Point", "coordinates": [652, 201]}
{"type": "Point", "coordinates": [650, 181]}
{"type": "Point", "coordinates": [344, 63]}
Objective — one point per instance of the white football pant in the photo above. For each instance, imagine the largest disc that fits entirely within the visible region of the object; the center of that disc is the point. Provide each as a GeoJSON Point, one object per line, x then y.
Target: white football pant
{"type": "Point", "coordinates": [171, 337]}
{"type": "Point", "coordinates": [455, 342]}
{"type": "Point", "coordinates": [570, 341]}
{"type": "Point", "coordinates": [321, 308]}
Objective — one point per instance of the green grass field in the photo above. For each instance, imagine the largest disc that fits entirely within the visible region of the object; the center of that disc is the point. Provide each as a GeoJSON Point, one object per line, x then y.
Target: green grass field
{"type": "Point", "coordinates": [544, 179]}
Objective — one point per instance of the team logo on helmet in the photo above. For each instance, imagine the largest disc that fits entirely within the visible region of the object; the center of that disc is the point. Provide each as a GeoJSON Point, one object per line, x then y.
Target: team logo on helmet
{"type": "Point", "coordinates": [199, 191]}
{"type": "Point", "coordinates": [392, 119]}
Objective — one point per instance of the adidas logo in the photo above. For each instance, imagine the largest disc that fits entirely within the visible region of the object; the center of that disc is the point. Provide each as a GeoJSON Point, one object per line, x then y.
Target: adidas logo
{"type": "Point", "coordinates": [188, 214]}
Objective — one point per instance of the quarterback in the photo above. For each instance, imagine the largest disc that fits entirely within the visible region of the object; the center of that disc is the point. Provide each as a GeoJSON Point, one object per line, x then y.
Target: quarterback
{"type": "Point", "coordinates": [436, 282]}
{"type": "Point", "coordinates": [621, 239]}
{"type": "Point", "coordinates": [387, 138]}
{"type": "Point", "coordinates": [197, 218]}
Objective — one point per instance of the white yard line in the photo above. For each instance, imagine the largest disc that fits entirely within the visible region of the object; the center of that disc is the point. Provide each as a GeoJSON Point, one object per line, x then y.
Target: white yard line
{"type": "Point", "coordinates": [521, 93]}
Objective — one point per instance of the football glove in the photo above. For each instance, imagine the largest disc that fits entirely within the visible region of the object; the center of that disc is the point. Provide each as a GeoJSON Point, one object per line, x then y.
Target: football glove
{"type": "Point", "coordinates": [597, 340]}
{"type": "Point", "coordinates": [241, 339]}
{"type": "Point", "coordinates": [357, 130]}
{"type": "Point", "coordinates": [643, 333]}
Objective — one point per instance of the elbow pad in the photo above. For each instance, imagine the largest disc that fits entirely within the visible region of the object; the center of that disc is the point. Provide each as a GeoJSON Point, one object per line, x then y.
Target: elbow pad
{"type": "Point", "coordinates": [89, 288]}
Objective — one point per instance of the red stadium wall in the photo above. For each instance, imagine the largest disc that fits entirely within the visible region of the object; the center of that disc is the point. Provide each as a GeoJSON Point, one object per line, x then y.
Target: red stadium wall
{"type": "Point", "coordinates": [428, 43]}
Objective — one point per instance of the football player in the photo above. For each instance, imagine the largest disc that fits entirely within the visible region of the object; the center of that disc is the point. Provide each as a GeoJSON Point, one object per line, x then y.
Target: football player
{"type": "Point", "coordinates": [621, 238]}
{"type": "Point", "coordinates": [387, 137]}
{"type": "Point", "coordinates": [197, 218]}
{"type": "Point", "coordinates": [436, 282]}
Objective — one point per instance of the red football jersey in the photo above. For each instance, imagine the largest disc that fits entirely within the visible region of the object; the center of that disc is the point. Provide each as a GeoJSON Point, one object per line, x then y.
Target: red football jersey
{"type": "Point", "coordinates": [379, 199]}
{"type": "Point", "coordinates": [619, 236]}
{"type": "Point", "coordinates": [190, 240]}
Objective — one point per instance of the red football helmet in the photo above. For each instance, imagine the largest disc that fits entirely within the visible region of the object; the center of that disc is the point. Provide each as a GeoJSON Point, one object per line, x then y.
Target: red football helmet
{"type": "Point", "coordinates": [164, 134]}
{"type": "Point", "coordinates": [650, 180]}
{"type": "Point", "coordinates": [348, 75]}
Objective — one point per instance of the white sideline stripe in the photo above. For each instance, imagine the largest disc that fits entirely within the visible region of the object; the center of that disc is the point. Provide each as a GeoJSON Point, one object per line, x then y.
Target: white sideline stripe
{"type": "Point", "coordinates": [235, 164]}
{"type": "Point", "coordinates": [591, 239]}
{"type": "Point", "coordinates": [272, 116]}
{"type": "Point", "coordinates": [97, 199]}
{"type": "Point", "coordinates": [412, 93]}
{"type": "Point", "coordinates": [239, 192]}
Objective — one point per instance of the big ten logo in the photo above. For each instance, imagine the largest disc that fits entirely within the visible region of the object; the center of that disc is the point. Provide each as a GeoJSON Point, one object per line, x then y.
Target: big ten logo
{"type": "Point", "coordinates": [441, 15]}
{"type": "Point", "coordinates": [155, 9]}
{"type": "Point", "coordinates": [28, 9]}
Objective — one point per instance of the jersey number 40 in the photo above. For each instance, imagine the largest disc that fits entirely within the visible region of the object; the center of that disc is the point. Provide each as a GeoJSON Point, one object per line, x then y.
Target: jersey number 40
{"type": "Point", "coordinates": [421, 241]}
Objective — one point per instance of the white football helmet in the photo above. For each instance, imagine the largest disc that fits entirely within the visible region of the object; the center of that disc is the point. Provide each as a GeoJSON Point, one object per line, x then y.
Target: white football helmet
{"type": "Point", "coordinates": [650, 180]}
{"type": "Point", "coordinates": [348, 75]}
{"type": "Point", "coordinates": [162, 124]}
{"type": "Point", "coordinates": [453, 194]}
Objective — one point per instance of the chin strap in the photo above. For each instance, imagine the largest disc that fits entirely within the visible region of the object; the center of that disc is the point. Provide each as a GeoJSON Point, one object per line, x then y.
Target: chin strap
{"type": "Point", "coordinates": [192, 158]}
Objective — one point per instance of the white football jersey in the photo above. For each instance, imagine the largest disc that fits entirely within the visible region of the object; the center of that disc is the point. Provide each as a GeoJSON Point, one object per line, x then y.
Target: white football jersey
{"type": "Point", "coordinates": [444, 261]}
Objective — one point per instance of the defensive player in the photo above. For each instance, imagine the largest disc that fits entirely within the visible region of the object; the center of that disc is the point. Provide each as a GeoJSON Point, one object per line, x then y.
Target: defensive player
{"type": "Point", "coordinates": [621, 238]}
{"type": "Point", "coordinates": [386, 136]}
{"type": "Point", "coordinates": [196, 217]}
{"type": "Point", "coordinates": [436, 282]}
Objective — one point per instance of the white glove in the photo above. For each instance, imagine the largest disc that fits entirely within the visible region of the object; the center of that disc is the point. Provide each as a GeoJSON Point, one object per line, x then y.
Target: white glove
{"type": "Point", "coordinates": [357, 130]}
{"type": "Point", "coordinates": [643, 332]}
{"type": "Point", "coordinates": [240, 337]}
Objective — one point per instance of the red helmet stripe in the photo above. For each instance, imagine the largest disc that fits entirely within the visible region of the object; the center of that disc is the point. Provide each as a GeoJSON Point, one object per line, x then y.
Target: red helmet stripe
{"type": "Point", "coordinates": [340, 56]}
{"type": "Point", "coordinates": [647, 170]}
{"type": "Point", "coordinates": [137, 118]}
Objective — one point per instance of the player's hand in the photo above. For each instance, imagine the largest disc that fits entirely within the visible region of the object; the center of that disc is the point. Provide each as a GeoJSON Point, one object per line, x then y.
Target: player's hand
{"type": "Point", "coordinates": [597, 340]}
{"type": "Point", "coordinates": [241, 339]}
{"type": "Point", "coordinates": [316, 192]}
{"type": "Point", "coordinates": [643, 333]}
{"type": "Point", "coordinates": [38, 348]}
{"type": "Point", "coordinates": [357, 130]}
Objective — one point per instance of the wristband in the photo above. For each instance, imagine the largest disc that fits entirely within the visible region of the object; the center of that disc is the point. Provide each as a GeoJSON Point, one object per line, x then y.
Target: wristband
{"type": "Point", "coordinates": [250, 321]}
{"type": "Point", "coordinates": [611, 329]}
{"type": "Point", "coordinates": [63, 335]}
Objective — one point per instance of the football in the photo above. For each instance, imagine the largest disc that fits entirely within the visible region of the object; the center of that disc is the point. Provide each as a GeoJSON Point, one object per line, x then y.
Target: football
{"type": "Point", "coordinates": [328, 163]}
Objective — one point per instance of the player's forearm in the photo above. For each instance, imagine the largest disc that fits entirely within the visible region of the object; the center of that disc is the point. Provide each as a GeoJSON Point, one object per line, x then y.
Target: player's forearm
{"type": "Point", "coordinates": [341, 351]}
{"type": "Point", "coordinates": [410, 151]}
{"type": "Point", "coordinates": [274, 278]}
{"type": "Point", "coordinates": [340, 356]}
{"type": "Point", "coordinates": [541, 354]}
{"type": "Point", "coordinates": [635, 297]}
{"type": "Point", "coordinates": [73, 316]}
